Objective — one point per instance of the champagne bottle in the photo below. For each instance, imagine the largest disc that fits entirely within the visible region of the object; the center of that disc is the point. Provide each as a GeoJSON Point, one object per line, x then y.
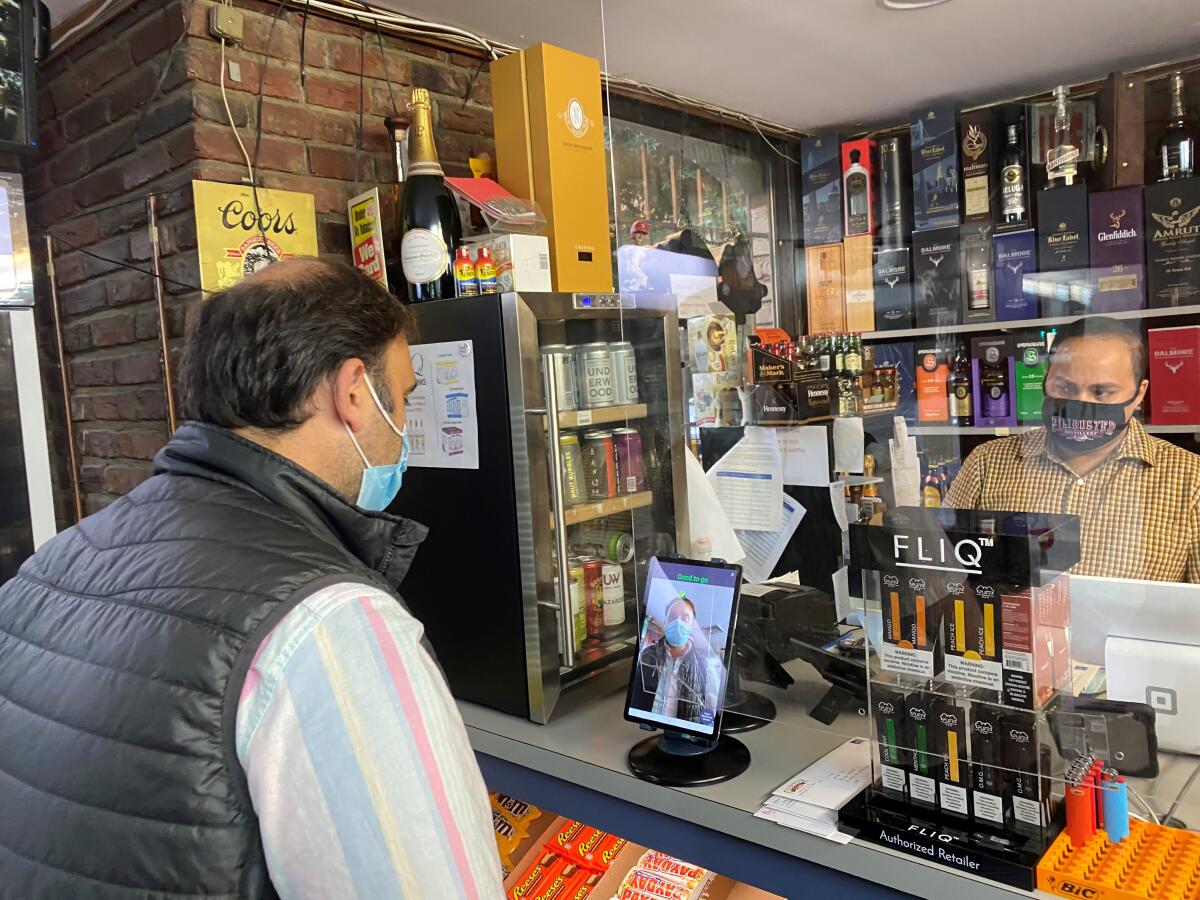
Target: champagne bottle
{"type": "Point", "coordinates": [429, 216]}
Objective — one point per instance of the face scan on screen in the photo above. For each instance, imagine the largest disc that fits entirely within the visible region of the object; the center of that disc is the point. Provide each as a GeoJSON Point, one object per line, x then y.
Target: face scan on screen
{"type": "Point", "coordinates": [679, 677]}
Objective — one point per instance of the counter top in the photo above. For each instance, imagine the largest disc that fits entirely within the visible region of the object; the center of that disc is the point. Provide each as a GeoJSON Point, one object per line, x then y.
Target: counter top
{"type": "Point", "coordinates": [582, 751]}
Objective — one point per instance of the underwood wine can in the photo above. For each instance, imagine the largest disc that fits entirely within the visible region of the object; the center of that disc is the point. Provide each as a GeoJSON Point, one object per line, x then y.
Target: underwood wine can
{"type": "Point", "coordinates": [624, 373]}
{"type": "Point", "coordinates": [599, 465]}
{"type": "Point", "coordinates": [578, 602]}
{"type": "Point", "coordinates": [613, 594]}
{"type": "Point", "coordinates": [597, 382]}
{"type": "Point", "coordinates": [559, 360]}
{"type": "Point", "coordinates": [571, 460]}
{"type": "Point", "coordinates": [631, 468]}
{"type": "Point", "coordinates": [592, 596]}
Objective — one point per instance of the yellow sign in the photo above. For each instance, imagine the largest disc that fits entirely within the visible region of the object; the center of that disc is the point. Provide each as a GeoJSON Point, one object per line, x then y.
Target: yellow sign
{"type": "Point", "coordinates": [237, 236]}
{"type": "Point", "coordinates": [366, 235]}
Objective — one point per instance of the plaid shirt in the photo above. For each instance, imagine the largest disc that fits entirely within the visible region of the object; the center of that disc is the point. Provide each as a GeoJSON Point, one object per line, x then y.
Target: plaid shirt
{"type": "Point", "coordinates": [1139, 511]}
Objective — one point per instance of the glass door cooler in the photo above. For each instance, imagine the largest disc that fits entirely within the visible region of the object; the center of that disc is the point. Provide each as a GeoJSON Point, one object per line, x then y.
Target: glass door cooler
{"type": "Point", "coordinates": [549, 470]}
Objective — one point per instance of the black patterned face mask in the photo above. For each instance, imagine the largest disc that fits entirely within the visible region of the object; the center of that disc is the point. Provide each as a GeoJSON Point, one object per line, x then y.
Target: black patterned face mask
{"type": "Point", "coordinates": [1080, 426]}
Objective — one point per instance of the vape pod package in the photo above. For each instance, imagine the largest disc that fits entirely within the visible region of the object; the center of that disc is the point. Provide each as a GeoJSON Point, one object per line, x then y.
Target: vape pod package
{"type": "Point", "coordinates": [987, 781]}
{"type": "Point", "coordinates": [1034, 636]}
{"type": "Point", "coordinates": [911, 625]}
{"type": "Point", "coordinates": [889, 710]}
{"type": "Point", "coordinates": [923, 760]}
{"type": "Point", "coordinates": [1024, 789]}
{"type": "Point", "coordinates": [950, 722]}
{"type": "Point", "coordinates": [972, 634]}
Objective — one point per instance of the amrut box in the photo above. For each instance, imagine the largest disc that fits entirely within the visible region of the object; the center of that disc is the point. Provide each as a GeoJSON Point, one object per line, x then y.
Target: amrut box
{"type": "Point", "coordinates": [825, 278]}
{"type": "Point", "coordinates": [935, 168]}
{"type": "Point", "coordinates": [1173, 242]}
{"type": "Point", "coordinates": [1118, 250]}
{"type": "Point", "coordinates": [821, 179]}
{"type": "Point", "coordinates": [1016, 261]}
{"type": "Point", "coordinates": [893, 288]}
{"type": "Point", "coordinates": [978, 163]}
{"type": "Point", "coordinates": [937, 277]}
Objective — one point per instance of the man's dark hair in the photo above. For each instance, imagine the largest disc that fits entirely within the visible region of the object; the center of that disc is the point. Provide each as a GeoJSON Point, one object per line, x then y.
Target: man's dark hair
{"type": "Point", "coordinates": [257, 351]}
{"type": "Point", "coordinates": [1103, 326]}
{"type": "Point", "coordinates": [682, 599]}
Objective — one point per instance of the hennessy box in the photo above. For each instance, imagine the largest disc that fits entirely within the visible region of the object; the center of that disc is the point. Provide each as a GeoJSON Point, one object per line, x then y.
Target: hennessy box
{"type": "Point", "coordinates": [937, 277]}
{"type": "Point", "coordinates": [1030, 362]}
{"type": "Point", "coordinates": [860, 283]}
{"type": "Point", "coordinates": [825, 279]}
{"type": "Point", "coordinates": [859, 162]}
{"type": "Point", "coordinates": [895, 191]}
{"type": "Point", "coordinates": [933, 371]}
{"type": "Point", "coordinates": [1016, 262]}
{"type": "Point", "coordinates": [1118, 250]}
{"type": "Point", "coordinates": [993, 375]}
{"type": "Point", "coordinates": [893, 288]}
{"type": "Point", "coordinates": [801, 400]}
{"type": "Point", "coordinates": [978, 163]}
{"type": "Point", "coordinates": [1062, 228]}
{"type": "Point", "coordinates": [821, 181]}
{"type": "Point", "coordinates": [1175, 375]}
{"type": "Point", "coordinates": [1173, 242]}
{"type": "Point", "coordinates": [935, 168]}
{"type": "Point", "coordinates": [548, 122]}
{"type": "Point", "coordinates": [979, 295]}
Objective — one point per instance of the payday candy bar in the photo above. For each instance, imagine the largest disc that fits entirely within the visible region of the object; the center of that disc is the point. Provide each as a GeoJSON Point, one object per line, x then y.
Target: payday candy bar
{"type": "Point", "coordinates": [657, 886]}
{"type": "Point", "coordinates": [670, 867]}
{"type": "Point", "coordinates": [634, 894]}
{"type": "Point", "coordinates": [533, 877]}
{"type": "Point", "coordinates": [608, 850]}
{"type": "Point", "coordinates": [564, 841]}
{"type": "Point", "coordinates": [587, 846]}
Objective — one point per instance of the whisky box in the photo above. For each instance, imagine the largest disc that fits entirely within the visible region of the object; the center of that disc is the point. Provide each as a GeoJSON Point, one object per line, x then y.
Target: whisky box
{"type": "Point", "coordinates": [923, 761]}
{"type": "Point", "coordinates": [1030, 360]}
{"type": "Point", "coordinates": [1062, 228]}
{"type": "Point", "coordinates": [895, 192]}
{"type": "Point", "coordinates": [824, 280]}
{"type": "Point", "coordinates": [859, 164]}
{"type": "Point", "coordinates": [935, 168]}
{"type": "Point", "coordinates": [1118, 252]}
{"type": "Point", "coordinates": [893, 288]}
{"type": "Point", "coordinates": [937, 277]}
{"type": "Point", "coordinates": [1173, 242]}
{"type": "Point", "coordinates": [1174, 375]}
{"type": "Point", "coordinates": [548, 122]}
{"type": "Point", "coordinates": [993, 375]}
{"type": "Point", "coordinates": [899, 355]}
{"type": "Point", "coordinates": [821, 187]}
{"type": "Point", "coordinates": [1121, 112]}
{"type": "Point", "coordinates": [857, 255]}
{"type": "Point", "coordinates": [767, 368]}
{"type": "Point", "coordinates": [978, 293]}
{"type": "Point", "coordinates": [932, 373]}
{"type": "Point", "coordinates": [1015, 254]}
{"type": "Point", "coordinates": [976, 130]}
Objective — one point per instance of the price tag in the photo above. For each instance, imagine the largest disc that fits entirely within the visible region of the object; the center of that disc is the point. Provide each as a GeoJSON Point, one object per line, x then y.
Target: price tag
{"type": "Point", "coordinates": [1002, 431]}
{"type": "Point", "coordinates": [583, 417]}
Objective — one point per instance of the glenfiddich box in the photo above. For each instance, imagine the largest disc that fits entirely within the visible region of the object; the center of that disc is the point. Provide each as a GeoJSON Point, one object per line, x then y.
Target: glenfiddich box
{"type": "Point", "coordinates": [860, 283]}
{"type": "Point", "coordinates": [1062, 228]}
{"type": "Point", "coordinates": [549, 128]}
{"type": "Point", "coordinates": [821, 180]}
{"type": "Point", "coordinates": [937, 277]}
{"type": "Point", "coordinates": [895, 191]}
{"type": "Point", "coordinates": [1173, 242]}
{"type": "Point", "coordinates": [893, 288]}
{"type": "Point", "coordinates": [935, 168]}
{"type": "Point", "coordinates": [1175, 375]}
{"type": "Point", "coordinates": [978, 163]}
{"type": "Point", "coordinates": [824, 279]}
{"type": "Point", "coordinates": [859, 162]}
{"type": "Point", "coordinates": [1118, 250]}
{"type": "Point", "coordinates": [1015, 256]}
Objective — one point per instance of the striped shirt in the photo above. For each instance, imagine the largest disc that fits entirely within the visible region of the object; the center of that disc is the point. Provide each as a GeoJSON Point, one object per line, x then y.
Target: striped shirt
{"type": "Point", "coordinates": [357, 760]}
{"type": "Point", "coordinates": [1139, 511]}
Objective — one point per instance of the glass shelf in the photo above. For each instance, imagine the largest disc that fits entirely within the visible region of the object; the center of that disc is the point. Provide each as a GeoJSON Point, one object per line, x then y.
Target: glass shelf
{"type": "Point", "coordinates": [586, 512]}
{"type": "Point", "coordinates": [935, 430]}
{"type": "Point", "coordinates": [1023, 323]}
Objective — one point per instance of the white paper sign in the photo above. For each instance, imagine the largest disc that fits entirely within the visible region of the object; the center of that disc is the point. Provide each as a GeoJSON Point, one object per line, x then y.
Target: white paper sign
{"type": "Point", "coordinates": [763, 548]}
{"type": "Point", "coordinates": [837, 499]}
{"type": "Point", "coordinates": [805, 454]}
{"type": "Point", "coordinates": [748, 480]}
{"type": "Point", "coordinates": [841, 593]}
{"type": "Point", "coordinates": [706, 518]}
{"type": "Point", "coordinates": [443, 431]}
{"type": "Point", "coordinates": [848, 445]}
{"type": "Point", "coordinates": [697, 295]}
{"type": "Point", "coordinates": [906, 467]}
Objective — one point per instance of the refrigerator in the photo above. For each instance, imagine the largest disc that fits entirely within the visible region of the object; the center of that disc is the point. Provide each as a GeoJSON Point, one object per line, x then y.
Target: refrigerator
{"type": "Point", "coordinates": [520, 525]}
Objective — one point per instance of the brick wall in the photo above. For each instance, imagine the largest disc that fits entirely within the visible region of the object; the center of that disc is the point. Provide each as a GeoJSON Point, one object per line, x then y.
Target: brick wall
{"type": "Point", "coordinates": [135, 108]}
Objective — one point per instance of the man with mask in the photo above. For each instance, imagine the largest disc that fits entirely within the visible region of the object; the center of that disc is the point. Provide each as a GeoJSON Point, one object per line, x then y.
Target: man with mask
{"type": "Point", "coordinates": [1138, 497]}
{"type": "Point", "coordinates": [211, 688]}
{"type": "Point", "coordinates": [679, 673]}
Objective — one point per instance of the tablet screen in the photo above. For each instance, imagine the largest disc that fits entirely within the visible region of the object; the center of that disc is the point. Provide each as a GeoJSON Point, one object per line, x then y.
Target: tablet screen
{"type": "Point", "coordinates": [678, 678]}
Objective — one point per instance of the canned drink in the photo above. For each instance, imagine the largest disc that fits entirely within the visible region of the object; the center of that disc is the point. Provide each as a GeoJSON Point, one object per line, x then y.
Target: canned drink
{"type": "Point", "coordinates": [592, 596]}
{"type": "Point", "coordinates": [560, 361]}
{"type": "Point", "coordinates": [597, 382]}
{"type": "Point", "coordinates": [605, 542]}
{"type": "Point", "coordinates": [571, 461]}
{"type": "Point", "coordinates": [578, 604]}
{"type": "Point", "coordinates": [599, 465]}
{"type": "Point", "coordinates": [613, 595]}
{"type": "Point", "coordinates": [631, 467]}
{"type": "Point", "coordinates": [625, 388]}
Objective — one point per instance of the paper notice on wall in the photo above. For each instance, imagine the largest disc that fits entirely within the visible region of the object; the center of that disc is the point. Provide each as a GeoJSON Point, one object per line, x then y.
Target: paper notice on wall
{"type": "Point", "coordinates": [906, 467]}
{"type": "Point", "coordinates": [837, 499]}
{"type": "Point", "coordinates": [841, 593]}
{"type": "Point", "coordinates": [366, 235]}
{"type": "Point", "coordinates": [748, 480]}
{"type": "Point", "coordinates": [764, 548]}
{"type": "Point", "coordinates": [848, 445]}
{"type": "Point", "coordinates": [697, 295]}
{"type": "Point", "coordinates": [443, 431]}
{"type": "Point", "coordinates": [706, 517]}
{"type": "Point", "coordinates": [805, 454]}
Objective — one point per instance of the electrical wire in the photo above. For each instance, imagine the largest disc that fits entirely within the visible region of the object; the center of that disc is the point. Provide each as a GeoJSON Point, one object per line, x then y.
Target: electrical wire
{"type": "Point", "coordinates": [232, 124]}
{"type": "Point", "coordinates": [362, 102]}
{"type": "Point", "coordinates": [1146, 806]}
{"type": "Point", "coordinates": [125, 265]}
{"type": "Point", "coordinates": [387, 76]}
{"type": "Point", "coordinates": [1187, 786]}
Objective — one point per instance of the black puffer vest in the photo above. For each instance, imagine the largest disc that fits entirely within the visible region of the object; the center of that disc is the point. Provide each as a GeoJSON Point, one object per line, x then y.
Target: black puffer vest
{"type": "Point", "coordinates": [124, 642]}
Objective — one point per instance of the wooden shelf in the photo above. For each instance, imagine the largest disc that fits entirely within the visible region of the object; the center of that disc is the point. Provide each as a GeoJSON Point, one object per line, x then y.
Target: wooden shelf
{"type": "Point", "coordinates": [935, 430]}
{"type": "Point", "coordinates": [1025, 323]}
{"type": "Point", "coordinates": [586, 512]}
{"type": "Point", "coordinates": [601, 415]}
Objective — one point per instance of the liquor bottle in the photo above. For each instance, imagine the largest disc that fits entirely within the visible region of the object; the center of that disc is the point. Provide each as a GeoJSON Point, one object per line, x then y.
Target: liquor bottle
{"type": "Point", "coordinates": [1014, 205]}
{"type": "Point", "coordinates": [429, 220]}
{"type": "Point", "coordinates": [931, 488]}
{"type": "Point", "coordinates": [824, 354]}
{"type": "Point", "coordinates": [958, 387]}
{"type": "Point", "coordinates": [398, 128]}
{"type": "Point", "coordinates": [993, 385]}
{"type": "Point", "coordinates": [979, 275]}
{"type": "Point", "coordinates": [1177, 148]}
{"type": "Point", "coordinates": [1062, 159]}
{"type": "Point", "coordinates": [854, 356]}
{"type": "Point", "coordinates": [858, 196]}
{"type": "Point", "coordinates": [839, 354]}
{"type": "Point", "coordinates": [943, 474]}
{"type": "Point", "coordinates": [873, 504]}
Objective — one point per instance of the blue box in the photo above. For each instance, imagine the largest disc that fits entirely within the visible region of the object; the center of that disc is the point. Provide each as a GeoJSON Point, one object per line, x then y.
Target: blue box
{"type": "Point", "coordinates": [935, 168]}
{"type": "Point", "coordinates": [1016, 258]}
{"type": "Point", "coordinates": [821, 182]}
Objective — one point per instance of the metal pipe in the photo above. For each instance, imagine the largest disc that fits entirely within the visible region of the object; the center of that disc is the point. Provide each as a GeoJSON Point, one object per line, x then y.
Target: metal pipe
{"type": "Point", "coordinates": [160, 301]}
{"type": "Point", "coordinates": [66, 387]}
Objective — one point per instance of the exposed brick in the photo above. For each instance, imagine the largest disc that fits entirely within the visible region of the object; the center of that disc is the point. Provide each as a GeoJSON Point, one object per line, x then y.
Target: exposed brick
{"type": "Point", "coordinates": [156, 33]}
{"type": "Point", "coordinates": [204, 64]}
{"type": "Point", "coordinates": [122, 218]}
{"type": "Point", "coordinates": [280, 154]}
{"type": "Point", "coordinates": [123, 288]}
{"type": "Point", "coordinates": [77, 337]}
{"type": "Point", "coordinates": [287, 119]}
{"type": "Point", "coordinates": [89, 116]}
{"type": "Point", "coordinates": [415, 48]}
{"type": "Point", "coordinates": [131, 92]}
{"type": "Point", "coordinates": [121, 478]}
{"type": "Point", "coordinates": [184, 271]}
{"type": "Point", "coordinates": [177, 235]}
{"type": "Point", "coordinates": [99, 442]}
{"type": "Point", "coordinates": [82, 408]}
{"type": "Point", "coordinates": [472, 120]}
{"type": "Point", "coordinates": [333, 162]}
{"type": "Point", "coordinates": [332, 127]}
{"type": "Point", "coordinates": [66, 92]}
{"type": "Point", "coordinates": [108, 144]}
{"type": "Point", "coordinates": [285, 40]}
{"type": "Point", "coordinates": [440, 79]}
{"type": "Point", "coordinates": [335, 93]}
{"type": "Point", "coordinates": [166, 113]}
{"type": "Point", "coordinates": [84, 298]}
{"type": "Point", "coordinates": [181, 148]}
{"type": "Point", "coordinates": [345, 54]}
{"type": "Point", "coordinates": [138, 368]}
{"type": "Point", "coordinates": [91, 476]}
{"type": "Point", "coordinates": [92, 373]}
{"type": "Point", "coordinates": [208, 105]}
{"type": "Point", "coordinates": [111, 331]}
{"type": "Point", "coordinates": [80, 232]}
{"type": "Point", "coordinates": [151, 403]}
{"type": "Point", "coordinates": [332, 26]}
{"type": "Point", "coordinates": [100, 186]}
{"type": "Point", "coordinates": [328, 196]}
{"type": "Point", "coordinates": [56, 206]}
{"type": "Point", "coordinates": [140, 444]}
{"type": "Point", "coordinates": [333, 237]}
{"type": "Point", "coordinates": [148, 164]}
{"type": "Point", "coordinates": [111, 407]}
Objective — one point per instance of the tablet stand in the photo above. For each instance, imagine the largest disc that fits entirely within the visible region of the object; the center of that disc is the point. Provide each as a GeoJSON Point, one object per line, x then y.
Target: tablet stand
{"type": "Point", "coordinates": [744, 710]}
{"type": "Point", "coordinates": [676, 760]}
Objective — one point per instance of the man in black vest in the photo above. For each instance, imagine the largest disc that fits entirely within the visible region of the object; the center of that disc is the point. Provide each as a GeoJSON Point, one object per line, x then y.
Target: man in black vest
{"type": "Point", "coordinates": [212, 688]}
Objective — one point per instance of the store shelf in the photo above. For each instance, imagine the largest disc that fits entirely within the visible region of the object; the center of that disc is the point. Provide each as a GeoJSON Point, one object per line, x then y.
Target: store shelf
{"type": "Point", "coordinates": [936, 430]}
{"type": "Point", "coordinates": [585, 512]}
{"type": "Point", "coordinates": [1024, 323]}
{"type": "Point", "coordinates": [602, 415]}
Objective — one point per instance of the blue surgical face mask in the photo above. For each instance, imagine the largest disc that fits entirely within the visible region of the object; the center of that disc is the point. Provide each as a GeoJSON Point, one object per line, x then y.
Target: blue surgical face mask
{"type": "Point", "coordinates": [678, 632]}
{"type": "Point", "coordinates": [380, 484]}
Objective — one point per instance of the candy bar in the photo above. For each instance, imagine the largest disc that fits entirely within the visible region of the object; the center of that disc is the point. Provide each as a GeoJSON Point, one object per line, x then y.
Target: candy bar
{"type": "Point", "coordinates": [564, 841]}
{"type": "Point", "coordinates": [586, 847]}
{"type": "Point", "coordinates": [607, 852]}
{"type": "Point", "coordinates": [558, 883]}
{"type": "Point", "coordinates": [583, 885]}
{"type": "Point", "coordinates": [657, 886]}
{"type": "Point", "coordinates": [534, 875]}
{"type": "Point", "coordinates": [516, 811]}
{"type": "Point", "coordinates": [629, 893]}
{"type": "Point", "coordinates": [669, 866]}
